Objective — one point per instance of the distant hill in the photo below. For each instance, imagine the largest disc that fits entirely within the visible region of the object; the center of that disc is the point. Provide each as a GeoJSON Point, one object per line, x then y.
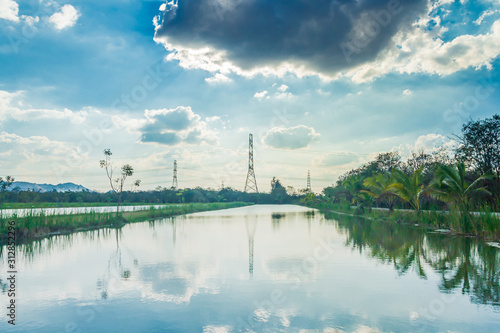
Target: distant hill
{"type": "Point", "coordinates": [66, 187]}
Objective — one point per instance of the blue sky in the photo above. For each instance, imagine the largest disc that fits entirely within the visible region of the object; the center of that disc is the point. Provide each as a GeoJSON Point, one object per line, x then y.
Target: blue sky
{"type": "Point", "coordinates": [323, 86]}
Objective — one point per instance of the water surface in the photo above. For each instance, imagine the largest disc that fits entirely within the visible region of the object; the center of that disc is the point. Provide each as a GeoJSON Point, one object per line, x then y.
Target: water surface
{"type": "Point", "coordinates": [259, 268]}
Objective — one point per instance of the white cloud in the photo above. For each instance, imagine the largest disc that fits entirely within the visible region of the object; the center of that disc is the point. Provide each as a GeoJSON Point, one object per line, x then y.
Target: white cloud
{"type": "Point", "coordinates": [38, 148]}
{"type": "Point", "coordinates": [217, 329]}
{"type": "Point", "coordinates": [484, 15]}
{"type": "Point", "coordinates": [284, 95]}
{"type": "Point", "coordinates": [283, 88]}
{"type": "Point", "coordinates": [30, 20]}
{"type": "Point", "coordinates": [261, 95]}
{"type": "Point", "coordinates": [359, 329]}
{"type": "Point", "coordinates": [218, 78]}
{"type": "Point", "coordinates": [171, 127]}
{"type": "Point", "coordinates": [216, 61]}
{"type": "Point", "coordinates": [130, 124]}
{"type": "Point", "coordinates": [428, 143]}
{"type": "Point", "coordinates": [407, 92]}
{"type": "Point", "coordinates": [9, 10]}
{"type": "Point", "coordinates": [418, 49]}
{"type": "Point", "coordinates": [66, 18]}
{"type": "Point", "coordinates": [213, 118]}
{"type": "Point", "coordinates": [41, 142]}
{"type": "Point", "coordinates": [421, 50]}
{"type": "Point", "coordinates": [432, 142]}
{"type": "Point", "coordinates": [338, 158]}
{"type": "Point", "coordinates": [11, 108]}
{"type": "Point", "coordinates": [296, 137]}
{"type": "Point", "coordinates": [282, 92]}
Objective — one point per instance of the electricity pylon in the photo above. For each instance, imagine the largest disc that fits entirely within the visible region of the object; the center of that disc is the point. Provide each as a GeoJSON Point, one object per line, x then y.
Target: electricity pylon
{"type": "Point", "coordinates": [251, 183]}
{"type": "Point", "coordinates": [174, 181]}
{"type": "Point", "coordinates": [308, 181]}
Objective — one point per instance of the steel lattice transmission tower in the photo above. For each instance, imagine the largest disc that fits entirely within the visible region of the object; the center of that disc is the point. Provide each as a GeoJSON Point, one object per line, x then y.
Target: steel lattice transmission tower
{"type": "Point", "coordinates": [174, 181]}
{"type": "Point", "coordinates": [251, 183]}
{"type": "Point", "coordinates": [308, 181]}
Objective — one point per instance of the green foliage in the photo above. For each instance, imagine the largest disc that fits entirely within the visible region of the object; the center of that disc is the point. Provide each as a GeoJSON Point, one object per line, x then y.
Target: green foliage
{"type": "Point", "coordinates": [379, 187]}
{"type": "Point", "coordinates": [451, 186]}
{"type": "Point", "coordinates": [383, 163]}
{"type": "Point", "coordinates": [117, 183]}
{"type": "Point", "coordinates": [5, 184]}
{"type": "Point", "coordinates": [27, 199]}
{"type": "Point", "coordinates": [444, 194]}
{"type": "Point", "coordinates": [40, 224]}
{"type": "Point", "coordinates": [278, 191]}
{"type": "Point", "coordinates": [480, 145]}
{"type": "Point", "coordinates": [409, 187]}
{"type": "Point", "coordinates": [308, 199]}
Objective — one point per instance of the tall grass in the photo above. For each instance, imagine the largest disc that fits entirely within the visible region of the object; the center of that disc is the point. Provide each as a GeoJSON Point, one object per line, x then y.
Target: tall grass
{"type": "Point", "coordinates": [39, 224]}
{"type": "Point", "coordinates": [27, 205]}
{"type": "Point", "coordinates": [485, 223]}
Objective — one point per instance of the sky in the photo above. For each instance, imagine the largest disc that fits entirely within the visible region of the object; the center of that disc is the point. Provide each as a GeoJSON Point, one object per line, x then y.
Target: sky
{"type": "Point", "coordinates": [322, 85]}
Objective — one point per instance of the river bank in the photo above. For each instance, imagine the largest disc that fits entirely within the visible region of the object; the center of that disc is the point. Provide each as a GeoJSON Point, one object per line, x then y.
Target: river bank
{"type": "Point", "coordinates": [29, 205]}
{"type": "Point", "coordinates": [484, 225]}
{"type": "Point", "coordinates": [39, 225]}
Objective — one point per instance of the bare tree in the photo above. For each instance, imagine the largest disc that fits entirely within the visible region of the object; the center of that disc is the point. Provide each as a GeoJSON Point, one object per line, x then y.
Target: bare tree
{"type": "Point", "coordinates": [117, 183]}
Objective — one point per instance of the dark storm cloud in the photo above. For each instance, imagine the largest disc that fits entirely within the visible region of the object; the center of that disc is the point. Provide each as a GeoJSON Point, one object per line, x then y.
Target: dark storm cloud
{"type": "Point", "coordinates": [323, 35]}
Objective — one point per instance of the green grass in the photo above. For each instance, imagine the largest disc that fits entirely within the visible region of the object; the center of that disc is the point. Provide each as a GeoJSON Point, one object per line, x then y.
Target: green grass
{"type": "Point", "coordinates": [36, 225]}
{"type": "Point", "coordinates": [484, 224]}
{"type": "Point", "coordinates": [24, 205]}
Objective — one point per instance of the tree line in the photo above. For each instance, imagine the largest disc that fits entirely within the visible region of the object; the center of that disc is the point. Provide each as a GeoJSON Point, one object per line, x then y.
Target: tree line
{"type": "Point", "coordinates": [467, 181]}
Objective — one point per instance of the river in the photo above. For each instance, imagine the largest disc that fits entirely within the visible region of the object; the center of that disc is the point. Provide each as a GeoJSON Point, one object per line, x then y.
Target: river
{"type": "Point", "coordinates": [263, 268]}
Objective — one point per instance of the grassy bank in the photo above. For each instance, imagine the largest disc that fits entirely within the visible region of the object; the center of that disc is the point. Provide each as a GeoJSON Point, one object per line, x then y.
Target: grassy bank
{"type": "Point", "coordinates": [483, 224]}
{"type": "Point", "coordinates": [27, 205]}
{"type": "Point", "coordinates": [37, 225]}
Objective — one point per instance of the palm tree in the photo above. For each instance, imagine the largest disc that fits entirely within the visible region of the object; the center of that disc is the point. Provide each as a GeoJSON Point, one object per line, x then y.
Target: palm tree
{"type": "Point", "coordinates": [309, 198]}
{"type": "Point", "coordinates": [451, 186]}
{"type": "Point", "coordinates": [379, 187]}
{"type": "Point", "coordinates": [350, 188]}
{"type": "Point", "coordinates": [362, 200]}
{"type": "Point", "coordinates": [409, 187]}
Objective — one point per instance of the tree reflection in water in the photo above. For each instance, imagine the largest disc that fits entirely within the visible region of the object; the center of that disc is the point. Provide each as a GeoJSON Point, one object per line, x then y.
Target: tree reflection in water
{"type": "Point", "coordinates": [465, 263]}
{"type": "Point", "coordinates": [116, 272]}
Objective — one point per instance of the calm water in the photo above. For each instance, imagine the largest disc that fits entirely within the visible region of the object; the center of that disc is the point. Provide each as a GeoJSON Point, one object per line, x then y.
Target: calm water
{"type": "Point", "coordinates": [259, 268]}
